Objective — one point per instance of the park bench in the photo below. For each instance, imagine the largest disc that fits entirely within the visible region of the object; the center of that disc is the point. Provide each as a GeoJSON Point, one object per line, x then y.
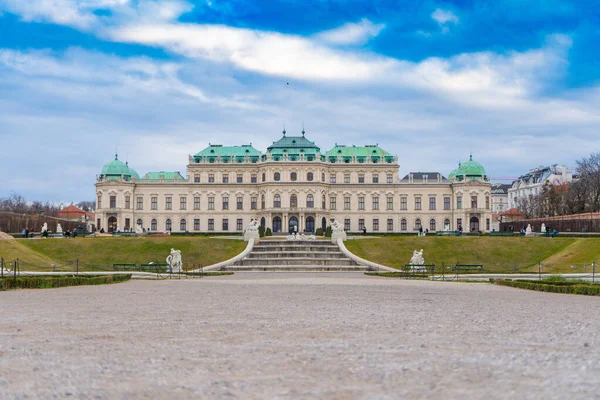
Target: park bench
{"type": "Point", "coordinates": [446, 233]}
{"type": "Point", "coordinates": [467, 268]}
{"type": "Point", "coordinates": [124, 234]}
{"type": "Point", "coordinates": [125, 267]}
{"type": "Point", "coordinates": [156, 267]}
{"type": "Point", "coordinates": [418, 268]}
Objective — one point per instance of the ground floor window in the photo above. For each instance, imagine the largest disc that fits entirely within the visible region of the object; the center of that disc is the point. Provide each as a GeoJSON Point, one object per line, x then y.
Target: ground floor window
{"type": "Point", "coordinates": [459, 223]}
{"type": "Point", "coordinates": [376, 224]}
{"type": "Point", "coordinates": [390, 224]}
{"type": "Point", "coordinates": [361, 224]}
{"type": "Point", "coordinates": [127, 224]}
{"type": "Point", "coordinates": [239, 224]}
{"type": "Point", "coordinates": [182, 225]}
{"type": "Point", "coordinates": [153, 225]}
{"type": "Point", "coordinates": [432, 225]}
{"type": "Point", "coordinates": [417, 224]}
{"type": "Point", "coordinates": [211, 224]}
{"type": "Point", "coordinates": [196, 224]}
{"type": "Point", "coordinates": [347, 224]}
{"type": "Point", "coordinates": [487, 224]}
{"type": "Point", "coordinates": [225, 224]}
{"type": "Point", "coordinates": [168, 225]}
{"type": "Point", "coordinates": [403, 225]}
{"type": "Point", "coordinates": [140, 222]}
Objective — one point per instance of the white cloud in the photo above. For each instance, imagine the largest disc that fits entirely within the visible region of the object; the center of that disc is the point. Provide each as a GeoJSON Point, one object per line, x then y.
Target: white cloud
{"type": "Point", "coordinates": [351, 33]}
{"type": "Point", "coordinates": [443, 17]}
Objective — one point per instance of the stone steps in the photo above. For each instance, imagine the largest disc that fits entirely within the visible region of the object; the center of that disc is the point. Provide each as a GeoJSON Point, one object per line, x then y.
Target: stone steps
{"type": "Point", "coordinates": [293, 254]}
{"type": "Point", "coordinates": [296, 268]}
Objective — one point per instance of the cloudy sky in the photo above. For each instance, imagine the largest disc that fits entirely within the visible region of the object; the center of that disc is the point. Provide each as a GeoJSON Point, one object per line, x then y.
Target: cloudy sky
{"type": "Point", "coordinates": [516, 82]}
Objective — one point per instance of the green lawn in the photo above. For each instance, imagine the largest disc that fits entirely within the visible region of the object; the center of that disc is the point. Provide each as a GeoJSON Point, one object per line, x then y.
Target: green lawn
{"type": "Point", "coordinates": [495, 253]}
{"type": "Point", "coordinates": [39, 254]}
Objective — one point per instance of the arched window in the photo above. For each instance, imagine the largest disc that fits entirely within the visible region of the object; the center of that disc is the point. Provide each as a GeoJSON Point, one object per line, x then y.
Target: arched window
{"type": "Point", "coordinates": [447, 224]}
{"type": "Point", "coordinates": [277, 201]}
{"type": "Point", "coordinates": [310, 201]}
{"type": "Point", "coordinates": [153, 225]}
{"type": "Point", "coordinates": [140, 222]}
{"type": "Point", "coordinates": [293, 201]}
{"type": "Point", "coordinates": [277, 176]}
{"type": "Point", "coordinates": [183, 225]}
{"type": "Point", "coordinates": [168, 225]}
{"type": "Point", "coordinates": [309, 176]}
{"type": "Point", "coordinates": [323, 202]}
{"type": "Point", "coordinates": [403, 226]}
{"type": "Point", "coordinates": [417, 224]}
{"type": "Point", "coordinates": [432, 224]}
{"type": "Point", "coordinates": [293, 176]}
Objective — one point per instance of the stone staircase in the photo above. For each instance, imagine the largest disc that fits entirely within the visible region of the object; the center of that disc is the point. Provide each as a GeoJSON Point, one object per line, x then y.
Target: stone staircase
{"type": "Point", "coordinates": [282, 255]}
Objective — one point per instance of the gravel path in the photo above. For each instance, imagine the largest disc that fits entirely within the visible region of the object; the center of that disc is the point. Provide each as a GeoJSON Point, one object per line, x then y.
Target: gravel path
{"type": "Point", "coordinates": [283, 336]}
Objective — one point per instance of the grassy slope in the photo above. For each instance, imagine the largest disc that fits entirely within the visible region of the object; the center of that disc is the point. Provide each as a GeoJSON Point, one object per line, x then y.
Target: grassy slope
{"type": "Point", "coordinates": [584, 250]}
{"type": "Point", "coordinates": [495, 253]}
{"type": "Point", "coordinates": [13, 249]}
{"type": "Point", "coordinates": [199, 250]}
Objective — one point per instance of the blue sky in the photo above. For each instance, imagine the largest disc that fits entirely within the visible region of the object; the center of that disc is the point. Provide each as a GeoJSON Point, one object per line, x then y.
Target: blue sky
{"type": "Point", "coordinates": [516, 82]}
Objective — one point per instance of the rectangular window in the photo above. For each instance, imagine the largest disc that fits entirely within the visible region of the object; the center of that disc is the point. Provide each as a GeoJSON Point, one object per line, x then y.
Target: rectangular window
{"type": "Point", "coordinates": [127, 202]}
{"type": "Point", "coordinates": [168, 203]}
{"type": "Point", "coordinates": [154, 203]}
{"type": "Point", "coordinates": [240, 203]}
{"type": "Point", "coordinates": [211, 224]}
{"type": "Point", "coordinates": [347, 224]}
{"type": "Point", "coordinates": [403, 203]}
{"type": "Point", "coordinates": [211, 178]}
{"type": "Point", "coordinates": [253, 202]}
{"type": "Point", "coordinates": [196, 178]}
{"type": "Point", "coordinates": [361, 178]}
{"type": "Point", "coordinates": [487, 203]}
{"type": "Point", "coordinates": [390, 224]}
{"type": "Point", "coordinates": [253, 178]}
{"type": "Point", "coordinates": [127, 224]}
{"type": "Point", "coordinates": [196, 224]}
{"type": "Point", "coordinates": [332, 203]}
{"type": "Point", "coordinates": [390, 203]}
{"type": "Point", "coordinates": [346, 178]}
{"type": "Point", "coordinates": [332, 178]}
{"type": "Point", "coordinates": [459, 202]}
{"type": "Point", "coordinates": [446, 203]}
{"type": "Point", "coordinates": [113, 201]}
{"type": "Point", "coordinates": [99, 204]}
{"type": "Point", "coordinates": [346, 203]}
{"type": "Point", "coordinates": [417, 203]}
{"type": "Point", "coordinates": [183, 203]}
{"type": "Point", "coordinates": [432, 203]}
{"type": "Point", "coordinates": [240, 178]}
{"type": "Point", "coordinates": [487, 224]}
{"type": "Point", "coordinates": [140, 203]}
{"type": "Point", "coordinates": [196, 203]}
{"type": "Point", "coordinates": [459, 223]}
{"type": "Point", "coordinates": [375, 203]}
{"type": "Point", "coordinates": [361, 224]}
{"type": "Point", "coordinates": [390, 178]}
{"type": "Point", "coordinates": [239, 224]}
{"type": "Point", "coordinates": [375, 224]}
{"type": "Point", "coordinates": [225, 203]}
{"type": "Point", "coordinates": [98, 227]}
{"type": "Point", "coordinates": [473, 201]}
{"type": "Point", "coordinates": [225, 178]}
{"type": "Point", "coordinates": [211, 203]}
{"type": "Point", "coordinates": [361, 203]}
{"type": "Point", "coordinates": [322, 176]}
{"type": "Point", "coordinates": [375, 178]}
{"type": "Point", "coordinates": [225, 224]}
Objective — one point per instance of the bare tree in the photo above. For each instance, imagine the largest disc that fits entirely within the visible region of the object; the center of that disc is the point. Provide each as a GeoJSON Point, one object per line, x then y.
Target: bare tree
{"type": "Point", "coordinates": [588, 170]}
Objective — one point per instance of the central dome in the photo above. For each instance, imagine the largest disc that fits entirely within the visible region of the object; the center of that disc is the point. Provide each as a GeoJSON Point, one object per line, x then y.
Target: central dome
{"type": "Point", "coordinates": [469, 170]}
{"type": "Point", "coordinates": [117, 169]}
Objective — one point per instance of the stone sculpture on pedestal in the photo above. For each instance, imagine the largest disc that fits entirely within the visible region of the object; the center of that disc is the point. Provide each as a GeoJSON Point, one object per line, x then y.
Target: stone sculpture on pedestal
{"type": "Point", "coordinates": [58, 228]}
{"type": "Point", "coordinates": [251, 231]}
{"type": "Point", "coordinates": [174, 261]}
{"type": "Point", "coordinates": [337, 231]}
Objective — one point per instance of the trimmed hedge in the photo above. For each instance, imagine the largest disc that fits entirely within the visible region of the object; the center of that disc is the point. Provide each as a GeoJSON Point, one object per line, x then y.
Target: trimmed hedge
{"type": "Point", "coordinates": [553, 287]}
{"type": "Point", "coordinates": [209, 273]}
{"type": "Point", "coordinates": [48, 282]}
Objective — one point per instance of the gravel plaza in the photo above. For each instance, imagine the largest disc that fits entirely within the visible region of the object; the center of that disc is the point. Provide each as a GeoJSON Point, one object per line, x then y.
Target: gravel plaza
{"type": "Point", "coordinates": [298, 335]}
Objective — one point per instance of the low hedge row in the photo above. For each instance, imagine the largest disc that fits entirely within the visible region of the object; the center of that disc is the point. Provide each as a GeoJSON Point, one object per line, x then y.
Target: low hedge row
{"type": "Point", "coordinates": [553, 287]}
{"type": "Point", "coordinates": [209, 273]}
{"type": "Point", "coordinates": [47, 282]}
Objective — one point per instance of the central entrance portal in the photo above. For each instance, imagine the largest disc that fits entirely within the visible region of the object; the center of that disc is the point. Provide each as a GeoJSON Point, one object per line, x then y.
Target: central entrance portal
{"type": "Point", "coordinates": [276, 224]}
{"type": "Point", "coordinates": [293, 225]}
{"type": "Point", "coordinates": [310, 224]}
{"type": "Point", "coordinates": [474, 224]}
{"type": "Point", "coordinates": [112, 224]}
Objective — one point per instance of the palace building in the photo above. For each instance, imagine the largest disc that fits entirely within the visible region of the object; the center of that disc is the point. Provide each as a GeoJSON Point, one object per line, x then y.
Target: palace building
{"type": "Point", "coordinates": [294, 186]}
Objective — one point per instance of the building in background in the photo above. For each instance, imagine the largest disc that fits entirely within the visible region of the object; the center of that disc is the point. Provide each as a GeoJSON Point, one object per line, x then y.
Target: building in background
{"type": "Point", "coordinates": [293, 187]}
{"type": "Point", "coordinates": [532, 183]}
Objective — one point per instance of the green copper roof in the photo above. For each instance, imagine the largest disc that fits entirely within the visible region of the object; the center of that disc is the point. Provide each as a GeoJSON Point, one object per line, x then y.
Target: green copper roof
{"type": "Point", "coordinates": [293, 142]}
{"type": "Point", "coordinates": [162, 175]}
{"type": "Point", "coordinates": [116, 168]}
{"type": "Point", "coordinates": [359, 152]}
{"type": "Point", "coordinates": [228, 153]}
{"type": "Point", "coordinates": [469, 170]}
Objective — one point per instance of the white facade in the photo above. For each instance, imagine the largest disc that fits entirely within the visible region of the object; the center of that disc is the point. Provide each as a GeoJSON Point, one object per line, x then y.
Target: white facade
{"type": "Point", "coordinates": [532, 183]}
{"type": "Point", "coordinates": [360, 190]}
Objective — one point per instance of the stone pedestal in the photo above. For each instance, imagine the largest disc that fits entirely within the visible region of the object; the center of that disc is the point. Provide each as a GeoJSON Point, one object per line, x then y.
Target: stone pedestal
{"type": "Point", "coordinates": [251, 235]}
{"type": "Point", "coordinates": [338, 235]}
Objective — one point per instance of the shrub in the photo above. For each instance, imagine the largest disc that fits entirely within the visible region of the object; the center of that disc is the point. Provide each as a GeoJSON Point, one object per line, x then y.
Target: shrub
{"type": "Point", "coordinates": [261, 231]}
{"type": "Point", "coordinates": [268, 232]}
{"type": "Point", "coordinates": [328, 232]}
{"type": "Point", "coordinates": [47, 282]}
{"type": "Point", "coordinates": [319, 232]}
{"type": "Point", "coordinates": [588, 289]}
